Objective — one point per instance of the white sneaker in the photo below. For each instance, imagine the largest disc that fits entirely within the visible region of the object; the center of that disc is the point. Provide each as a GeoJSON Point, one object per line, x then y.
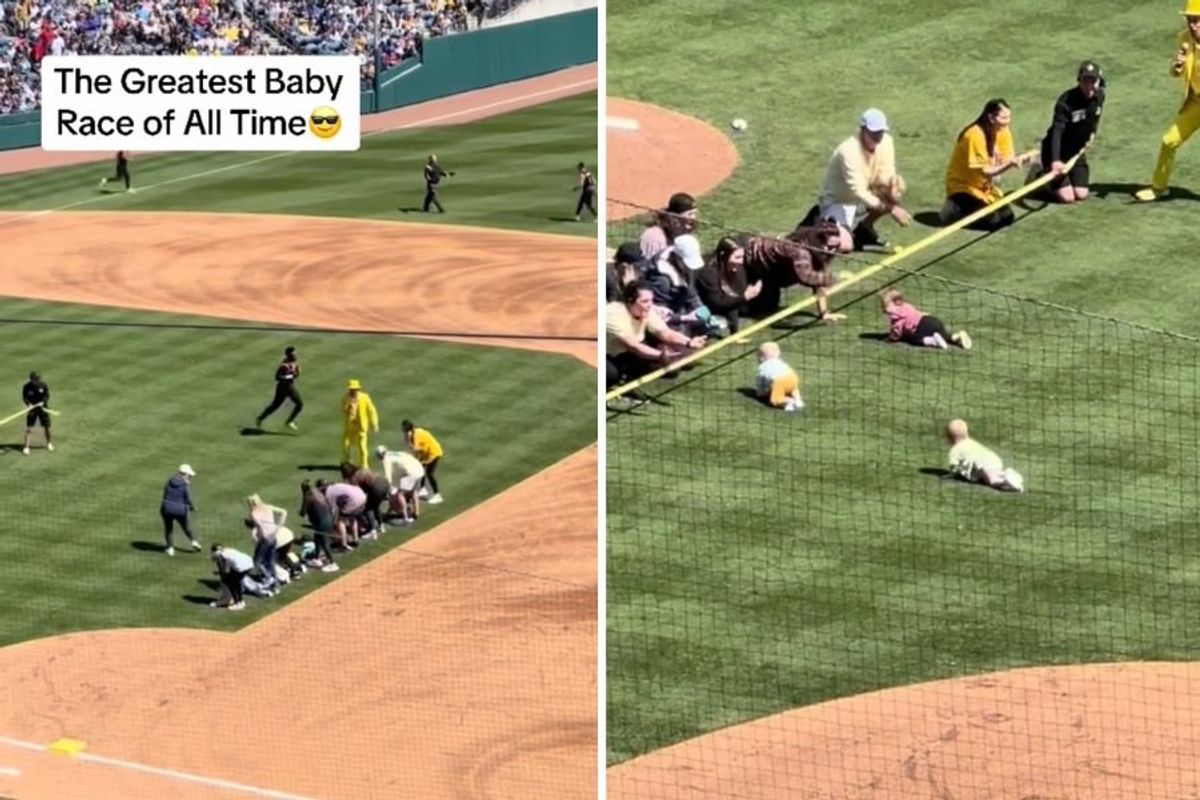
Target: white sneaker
{"type": "Point", "coordinates": [423, 493]}
{"type": "Point", "coordinates": [963, 340]}
{"type": "Point", "coordinates": [330, 568]}
{"type": "Point", "coordinates": [196, 545]}
{"type": "Point", "coordinates": [50, 447]}
{"type": "Point", "coordinates": [103, 182]}
{"type": "Point", "coordinates": [437, 498]}
{"type": "Point", "coordinates": [236, 606]}
{"type": "Point", "coordinates": [25, 452]}
{"type": "Point", "coordinates": [292, 425]}
{"type": "Point", "coordinates": [790, 405]}
{"type": "Point", "coordinates": [131, 190]}
{"type": "Point", "coordinates": [170, 551]}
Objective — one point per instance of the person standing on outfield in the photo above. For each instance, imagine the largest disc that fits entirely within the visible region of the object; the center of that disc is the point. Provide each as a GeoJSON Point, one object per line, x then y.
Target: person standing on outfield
{"type": "Point", "coordinates": [122, 172]}
{"type": "Point", "coordinates": [433, 176]}
{"type": "Point", "coordinates": [429, 452]}
{"type": "Point", "coordinates": [1187, 119]}
{"type": "Point", "coordinates": [861, 185]}
{"type": "Point", "coordinates": [285, 389]}
{"type": "Point", "coordinates": [587, 192]}
{"type": "Point", "coordinates": [176, 503]}
{"type": "Point", "coordinates": [1076, 118]}
{"type": "Point", "coordinates": [359, 414]}
{"type": "Point", "coordinates": [36, 395]}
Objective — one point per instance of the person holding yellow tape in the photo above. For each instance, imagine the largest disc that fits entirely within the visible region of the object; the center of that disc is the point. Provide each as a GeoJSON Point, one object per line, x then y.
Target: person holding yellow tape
{"type": "Point", "coordinates": [1187, 119]}
{"type": "Point", "coordinates": [983, 152]}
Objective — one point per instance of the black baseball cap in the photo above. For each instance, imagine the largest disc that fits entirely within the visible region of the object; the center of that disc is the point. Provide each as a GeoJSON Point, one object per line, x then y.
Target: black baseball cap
{"type": "Point", "coordinates": [1090, 69]}
{"type": "Point", "coordinates": [681, 203]}
{"type": "Point", "coordinates": [628, 253]}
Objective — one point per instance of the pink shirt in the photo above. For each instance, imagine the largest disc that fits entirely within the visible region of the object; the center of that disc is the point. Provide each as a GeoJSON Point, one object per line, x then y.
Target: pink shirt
{"type": "Point", "coordinates": [653, 242]}
{"type": "Point", "coordinates": [357, 497]}
{"type": "Point", "coordinates": [904, 318]}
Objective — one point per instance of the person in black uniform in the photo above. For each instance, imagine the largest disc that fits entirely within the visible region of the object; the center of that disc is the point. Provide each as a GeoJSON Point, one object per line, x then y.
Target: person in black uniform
{"type": "Point", "coordinates": [122, 172]}
{"type": "Point", "coordinates": [36, 395]}
{"type": "Point", "coordinates": [1076, 118]}
{"type": "Point", "coordinates": [587, 192]}
{"type": "Point", "coordinates": [285, 389]}
{"type": "Point", "coordinates": [433, 176]}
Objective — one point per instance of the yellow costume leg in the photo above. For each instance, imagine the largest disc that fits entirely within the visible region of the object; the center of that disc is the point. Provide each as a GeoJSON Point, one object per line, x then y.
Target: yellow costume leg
{"type": "Point", "coordinates": [782, 388]}
{"type": "Point", "coordinates": [362, 450]}
{"type": "Point", "coordinates": [1180, 131]}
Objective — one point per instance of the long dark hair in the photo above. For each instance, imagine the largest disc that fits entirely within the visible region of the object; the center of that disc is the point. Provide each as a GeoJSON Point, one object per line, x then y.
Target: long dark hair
{"type": "Point", "coordinates": [732, 284]}
{"type": "Point", "coordinates": [991, 108]}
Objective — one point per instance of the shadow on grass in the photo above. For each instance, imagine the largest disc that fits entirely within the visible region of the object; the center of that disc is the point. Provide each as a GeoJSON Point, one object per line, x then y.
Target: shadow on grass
{"type": "Point", "coordinates": [198, 600]}
{"type": "Point", "coordinates": [11, 447]}
{"type": "Point", "coordinates": [261, 432]}
{"type": "Point", "coordinates": [1103, 190]}
{"type": "Point", "coordinates": [937, 472]}
{"type": "Point", "coordinates": [874, 336]}
{"type": "Point", "coordinates": [210, 583]}
{"type": "Point", "coordinates": [152, 547]}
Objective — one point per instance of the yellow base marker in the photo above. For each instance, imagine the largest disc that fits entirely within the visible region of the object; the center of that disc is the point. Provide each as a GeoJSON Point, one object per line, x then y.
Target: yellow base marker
{"type": "Point", "coordinates": [67, 747]}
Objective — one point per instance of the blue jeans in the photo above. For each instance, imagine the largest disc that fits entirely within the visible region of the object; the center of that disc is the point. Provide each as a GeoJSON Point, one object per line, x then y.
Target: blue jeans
{"type": "Point", "coordinates": [264, 559]}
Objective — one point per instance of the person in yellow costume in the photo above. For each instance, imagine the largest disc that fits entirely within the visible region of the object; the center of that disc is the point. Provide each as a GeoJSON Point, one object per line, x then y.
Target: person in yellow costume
{"type": "Point", "coordinates": [358, 414]}
{"type": "Point", "coordinates": [1187, 120]}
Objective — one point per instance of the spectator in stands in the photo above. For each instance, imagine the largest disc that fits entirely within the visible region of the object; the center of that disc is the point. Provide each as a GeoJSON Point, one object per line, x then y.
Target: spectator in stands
{"type": "Point", "coordinates": [627, 324]}
{"type": "Point", "coordinates": [722, 284]}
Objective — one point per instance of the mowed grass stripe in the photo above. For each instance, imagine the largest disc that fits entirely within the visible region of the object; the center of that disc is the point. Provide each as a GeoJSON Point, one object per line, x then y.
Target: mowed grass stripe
{"type": "Point", "coordinates": [136, 402]}
{"type": "Point", "coordinates": [514, 171]}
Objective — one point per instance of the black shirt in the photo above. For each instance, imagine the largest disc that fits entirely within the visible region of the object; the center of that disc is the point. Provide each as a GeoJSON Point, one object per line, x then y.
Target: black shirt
{"type": "Point", "coordinates": [34, 393]}
{"type": "Point", "coordinates": [589, 183]}
{"type": "Point", "coordinates": [433, 174]}
{"type": "Point", "coordinates": [1076, 118]}
{"type": "Point", "coordinates": [287, 372]}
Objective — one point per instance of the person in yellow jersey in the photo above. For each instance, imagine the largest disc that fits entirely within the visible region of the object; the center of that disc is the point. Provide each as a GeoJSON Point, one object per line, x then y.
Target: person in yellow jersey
{"type": "Point", "coordinates": [429, 453]}
{"type": "Point", "coordinates": [983, 152]}
{"type": "Point", "coordinates": [359, 415]}
{"type": "Point", "coordinates": [1187, 119]}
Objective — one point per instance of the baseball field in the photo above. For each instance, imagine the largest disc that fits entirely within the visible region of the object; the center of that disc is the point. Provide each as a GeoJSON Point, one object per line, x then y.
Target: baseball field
{"type": "Point", "coordinates": [157, 319]}
{"type": "Point", "coordinates": [797, 605]}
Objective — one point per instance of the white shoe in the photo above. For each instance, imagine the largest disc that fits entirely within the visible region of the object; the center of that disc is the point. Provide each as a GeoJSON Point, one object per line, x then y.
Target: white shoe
{"type": "Point", "coordinates": [196, 545]}
{"type": "Point", "coordinates": [437, 498]}
{"type": "Point", "coordinates": [170, 551]}
{"type": "Point", "coordinates": [25, 452]}
{"type": "Point", "coordinates": [963, 340]}
{"type": "Point", "coordinates": [236, 606]}
{"type": "Point", "coordinates": [423, 493]}
{"type": "Point", "coordinates": [330, 568]}
{"type": "Point", "coordinates": [292, 425]}
{"type": "Point", "coordinates": [131, 190]}
{"type": "Point", "coordinates": [103, 182]}
{"type": "Point", "coordinates": [50, 447]}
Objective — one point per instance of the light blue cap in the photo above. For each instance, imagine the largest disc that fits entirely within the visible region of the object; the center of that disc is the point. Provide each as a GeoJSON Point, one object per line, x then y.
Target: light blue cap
{"type": "Point", "coordinates": [874, 120]}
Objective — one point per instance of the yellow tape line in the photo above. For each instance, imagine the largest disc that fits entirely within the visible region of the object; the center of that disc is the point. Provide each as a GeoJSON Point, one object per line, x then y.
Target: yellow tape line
{"type": "Point", "coordinates": [891, 260]}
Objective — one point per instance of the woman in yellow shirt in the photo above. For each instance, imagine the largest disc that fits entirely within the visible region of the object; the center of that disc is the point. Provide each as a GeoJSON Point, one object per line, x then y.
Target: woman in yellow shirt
{"type": "Point", "coordinates": [429, 452]}
{"type": "Point", "coordinates": [984, 151]}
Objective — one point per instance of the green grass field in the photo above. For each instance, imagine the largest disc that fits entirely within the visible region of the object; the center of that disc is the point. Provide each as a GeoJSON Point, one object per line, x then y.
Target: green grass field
{"type": "Point", "coordinates": [140, 393]}
{"type": "Point", "coordinates": [514, 171]}
{"type": "Point", "coordinates": [758, 561]}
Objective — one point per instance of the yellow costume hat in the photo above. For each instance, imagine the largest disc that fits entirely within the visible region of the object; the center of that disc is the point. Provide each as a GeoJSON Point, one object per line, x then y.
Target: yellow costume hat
{"type": "Point", "coordinates": [1192, 10]}
{"type": "Point", "coordinates": [354, 384]}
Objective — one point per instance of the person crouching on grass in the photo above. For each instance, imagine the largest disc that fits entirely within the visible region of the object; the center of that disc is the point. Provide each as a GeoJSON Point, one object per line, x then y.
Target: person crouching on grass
{"type": "Point", "coordinates": [913, 327]}
{"type": "Point", "coordinates": [348, 502]}
{"type": "Point", "coordinates": [982, 152]}
{"type": "Point", "coordinates": [376, 488]}
{"type": "Point", "coordinates": [776, 382]}
{"type": "Point", "coordinates": [803, 256]}
{"type": "Point", "coordinates": [974, 462]}
{"type": "Point", "coordinates": [233, 566]}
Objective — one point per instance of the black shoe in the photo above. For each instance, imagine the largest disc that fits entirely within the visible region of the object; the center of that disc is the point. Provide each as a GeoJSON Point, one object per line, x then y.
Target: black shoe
{"type": "Point", "coordinates": [867, 237]}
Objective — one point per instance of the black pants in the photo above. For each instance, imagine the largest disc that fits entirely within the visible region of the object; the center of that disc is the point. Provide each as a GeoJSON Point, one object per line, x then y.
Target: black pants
{"type": "Point", "coordinates": [969, 204]}
{"type": "Point", "coordinates": [626, 367]}
{"type": "Point", "coordinates": [431, 199]}
{"type": "Point", "coordinates": [122, 172]}
{"type": "Point", "coordinates": [169, 519]}
{"type": "Point", "coordinates": [430, 480]}
{"type": "Point", "coordinates": [283, 391]}
{"type": "Point", "coordinates": [928, 326]}
{"type": "Point", "coordinates": [371, 512]}
{"type": "Point", "coordinates": [233, 582]}
{"type": "Point", "coordinates": [586, 200]}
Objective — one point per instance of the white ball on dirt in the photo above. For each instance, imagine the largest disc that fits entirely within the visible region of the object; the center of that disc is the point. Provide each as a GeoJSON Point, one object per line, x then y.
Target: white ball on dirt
{"type": "Point", "coordinates": [738, 124]}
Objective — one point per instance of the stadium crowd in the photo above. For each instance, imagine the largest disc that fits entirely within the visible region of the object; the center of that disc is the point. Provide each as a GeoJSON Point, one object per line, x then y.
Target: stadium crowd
{"type": "Point", "coordinates": [32, 29]}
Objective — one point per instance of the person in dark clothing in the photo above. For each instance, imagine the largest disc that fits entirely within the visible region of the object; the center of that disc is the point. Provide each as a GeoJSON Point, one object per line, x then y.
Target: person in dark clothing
{"type": "Point", "coordinates": [122, 172]}
{"type": "Point", "coordinates": [433, 176]}
{"type": "Point", "coordinates": [627, 266]}
{"type": "Point", "coordinates": [315, 508]}
{"type": "Point", "coordinates": [232, 566]}
{"type": "Point", "coordinates": [587, 192]}
{"type": "Point", "coordinates": [285, 389]}
{"type": "Point", "coordinates": [36, 395]}
{"type": "Point", "coordinates": [722, 283]}
{"type": "Point", "coordinates": [1076, 119]}
{"type": "Point", "coordinates": [176, 503]}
